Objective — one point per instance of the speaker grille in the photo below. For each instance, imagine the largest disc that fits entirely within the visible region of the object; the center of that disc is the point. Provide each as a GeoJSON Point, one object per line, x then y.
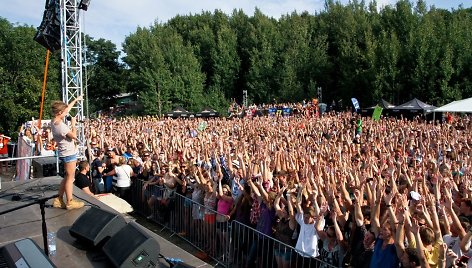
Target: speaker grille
{"type": "Point", "coordinates": [125, 242]}
{"type": "Point", "coordinates": [95, 225]}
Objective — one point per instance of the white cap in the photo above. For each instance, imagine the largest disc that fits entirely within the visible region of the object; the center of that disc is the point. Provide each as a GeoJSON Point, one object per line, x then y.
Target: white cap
{"type": "Point", "coordinates": [415, 196]}
{"type": "Point", "coordinates": [235, 163]}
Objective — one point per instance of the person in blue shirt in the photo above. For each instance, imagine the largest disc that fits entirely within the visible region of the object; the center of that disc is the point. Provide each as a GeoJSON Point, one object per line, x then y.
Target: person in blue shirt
{"type": "Point", "coordinates": [385, 252]}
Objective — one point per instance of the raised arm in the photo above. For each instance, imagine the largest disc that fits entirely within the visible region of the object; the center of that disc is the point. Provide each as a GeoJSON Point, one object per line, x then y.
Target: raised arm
{"type": "Point", "coordinates": [72, 103]}
{"type": "Point", "coordinates": [466, 241]}
{"type": "Point", "coordinates": [455, 220]}
{"type": "Point", "coordinates": [388, 203]}
{"type": "Point", "coordinates": [358, 216]}
{"type": "Point", "coordinates": [419, 245]}
{"type": "Point", "coordinates": [278, 209]}
{"type": "Point", "coordinates": [339, 234]}
{"type": "Point", "coordinates": [292, 223]}
{"type": "Point", "coordinates": [299, 200]}
{"type": "Point", "coordinates": [435, 219]}
{"type": "Point", "coordinates": [254, 189]}
{"type": "Point", "coordinates": [375, 218]}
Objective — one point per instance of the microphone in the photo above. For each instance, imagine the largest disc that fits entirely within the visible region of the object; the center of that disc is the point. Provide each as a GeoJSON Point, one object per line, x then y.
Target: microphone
{"type": "Point", "coordinates": [68, 118]}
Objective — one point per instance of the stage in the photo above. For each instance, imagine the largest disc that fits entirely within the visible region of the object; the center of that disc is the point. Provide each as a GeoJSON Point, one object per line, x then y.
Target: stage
{"type": "Point", "coordinates": [27, 223]}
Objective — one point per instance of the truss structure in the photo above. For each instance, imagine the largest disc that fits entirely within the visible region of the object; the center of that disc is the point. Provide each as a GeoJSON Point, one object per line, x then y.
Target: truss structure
{"type": "Point", "coordinates": [71, 57]}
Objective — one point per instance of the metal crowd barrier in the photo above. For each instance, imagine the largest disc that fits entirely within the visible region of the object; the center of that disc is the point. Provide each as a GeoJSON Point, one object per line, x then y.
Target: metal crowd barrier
{"type": "Point", "coordinates": [230, 244]}
{"type": "Point", "coordinates": [23, 166]}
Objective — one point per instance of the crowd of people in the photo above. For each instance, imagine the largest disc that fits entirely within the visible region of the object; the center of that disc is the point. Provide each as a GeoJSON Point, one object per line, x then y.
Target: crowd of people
{"type": "Point", "coordinates": [356, 192]}
{"type": "Point", "coordinates": [347, 190]}
{"type": "Point", "coordinates": [304, 108]}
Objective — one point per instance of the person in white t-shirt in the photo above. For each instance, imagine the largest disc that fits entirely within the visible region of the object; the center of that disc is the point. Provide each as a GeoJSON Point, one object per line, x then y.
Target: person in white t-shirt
{"type": "Point", "coordinates": [122, 174]}
{"type": "Point", "coordinates": [454, 232]}
{"type": "Point", "coordinates": [307, 243]}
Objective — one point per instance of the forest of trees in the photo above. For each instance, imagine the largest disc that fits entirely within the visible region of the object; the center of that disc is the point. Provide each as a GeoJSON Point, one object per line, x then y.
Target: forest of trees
{"type": "Point", "coordinates": [357, 50]}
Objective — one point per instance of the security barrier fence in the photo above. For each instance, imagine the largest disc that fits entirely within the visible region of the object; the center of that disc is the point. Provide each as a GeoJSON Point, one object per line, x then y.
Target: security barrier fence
{"type": "Point", "coordinates": [230, 243]}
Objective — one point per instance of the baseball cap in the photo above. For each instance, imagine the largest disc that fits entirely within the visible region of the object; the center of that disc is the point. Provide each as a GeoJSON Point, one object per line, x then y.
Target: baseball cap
{"type": "Point", "coordinates": [415, 196]}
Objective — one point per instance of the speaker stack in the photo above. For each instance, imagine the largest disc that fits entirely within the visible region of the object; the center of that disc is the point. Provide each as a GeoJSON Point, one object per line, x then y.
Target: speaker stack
{"type": "Point", "coordinates": [125, 245]}
{"type": "Point", "coordinates": [49, 31]}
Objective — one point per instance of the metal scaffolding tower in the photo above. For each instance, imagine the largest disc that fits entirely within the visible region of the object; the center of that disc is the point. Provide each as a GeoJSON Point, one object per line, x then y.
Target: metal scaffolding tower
{"type": "Point", "coordinates": [71, 57]}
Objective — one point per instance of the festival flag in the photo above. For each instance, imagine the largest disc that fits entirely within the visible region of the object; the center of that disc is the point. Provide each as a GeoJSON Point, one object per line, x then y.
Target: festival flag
{"type": "Point", "coordinates": [202, 126]}
{"type": "Point", "coordinates": [355, 103]}
{"type": "Point", "coordinates": [377, 112]}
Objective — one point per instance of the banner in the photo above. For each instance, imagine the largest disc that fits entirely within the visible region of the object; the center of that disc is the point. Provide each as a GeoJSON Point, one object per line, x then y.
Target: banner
{"type": "Point", "coordinates": [23, 167]}
{"type": "Point", "coordinates": [377, 112]}
{"type": "Point", "coordinates": [355, 103]}
{"type": "Point", "coordinates": [202, 126]}
{"type": "Point", "coordinates": [271, 111]}
{"type": "Point", "coordinates": [287, 111]}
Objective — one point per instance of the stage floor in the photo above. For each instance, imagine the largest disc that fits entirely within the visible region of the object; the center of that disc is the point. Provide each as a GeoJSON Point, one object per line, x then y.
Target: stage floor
{"type": "Point", "coordinates": [26, 223]}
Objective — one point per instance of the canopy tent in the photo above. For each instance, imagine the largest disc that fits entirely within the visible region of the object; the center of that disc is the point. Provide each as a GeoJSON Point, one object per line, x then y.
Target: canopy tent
{"type": "Point", "coordinates": [207, 112]}
{"type": "Point", "coordinates": [383, 104]}
{"type": "Point", "coordinates": [415, 105]}
{"type": "Point", "coordinates": [386, 105]}
{"type": "Point", "coordinates": [461, 106]}
{"type": "Point", "coordinates": [178, 112]}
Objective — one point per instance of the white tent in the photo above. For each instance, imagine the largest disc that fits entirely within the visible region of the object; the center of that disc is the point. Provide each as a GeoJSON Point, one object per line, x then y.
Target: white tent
{"type": "Point", "coordinates": [461, 106]}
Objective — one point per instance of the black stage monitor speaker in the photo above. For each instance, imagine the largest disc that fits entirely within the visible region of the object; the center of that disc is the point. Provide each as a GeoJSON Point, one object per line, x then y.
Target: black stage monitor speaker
{"type": "Point", "coordinates": [46, 167]}
{"type": "Point", "coordinates": [132, 247]}
{"type": "Point", "coordinates": [24, 253]}
{"type": "Point", "coordinates": [96, 225]}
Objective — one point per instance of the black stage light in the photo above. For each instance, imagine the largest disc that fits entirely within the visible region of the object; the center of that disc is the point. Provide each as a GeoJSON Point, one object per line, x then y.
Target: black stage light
{"type": "Point", "coordinates": [49, 32]}
{"type": "Point", "coordinates": [84, 4]}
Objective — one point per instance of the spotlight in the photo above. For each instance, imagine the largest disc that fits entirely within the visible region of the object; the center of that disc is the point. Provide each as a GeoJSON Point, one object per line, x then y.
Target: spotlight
{"type": "Point", "coordinates": [84, 4]}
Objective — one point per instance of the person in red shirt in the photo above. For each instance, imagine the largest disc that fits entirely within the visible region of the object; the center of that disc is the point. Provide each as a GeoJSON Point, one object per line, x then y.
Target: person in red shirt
{"type": "Point", "coordinates": [4, 152]}
{"type": "Point", "coordinates": [449, 118]}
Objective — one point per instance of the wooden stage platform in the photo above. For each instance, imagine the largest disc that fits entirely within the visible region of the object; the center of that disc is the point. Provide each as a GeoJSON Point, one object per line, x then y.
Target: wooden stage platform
{"type": "Point", "coordinates": [27, 223]}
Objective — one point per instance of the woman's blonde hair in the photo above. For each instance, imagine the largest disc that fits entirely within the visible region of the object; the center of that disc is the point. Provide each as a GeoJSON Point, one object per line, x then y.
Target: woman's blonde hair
{"type": "Point", "coordinates": [121, 160]}
{"type": "Point", "coordinates": [57, 107]}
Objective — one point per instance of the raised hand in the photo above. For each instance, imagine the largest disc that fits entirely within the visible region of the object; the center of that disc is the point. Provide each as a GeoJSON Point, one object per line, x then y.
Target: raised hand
{"type": "Point", "coordinates": [388, 198]}
{"type": "Point", "coordinates": [415, 226]}
{"type": "Point", "coordinates": [357, 195]}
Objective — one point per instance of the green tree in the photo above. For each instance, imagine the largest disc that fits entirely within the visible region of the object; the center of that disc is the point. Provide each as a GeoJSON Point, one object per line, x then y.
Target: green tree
{"type": "Point", "coordinates": [21, 76]}
{"type": "Point", "coordinates": [104, 73]}
{"type": "Point", "coordinates": [164, 69]}
{"type": "Point", "coordinates": [262, 75]}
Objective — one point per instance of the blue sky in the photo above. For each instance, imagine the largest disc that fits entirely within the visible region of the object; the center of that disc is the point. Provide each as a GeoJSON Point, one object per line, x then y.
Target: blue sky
{"type": "Point", "coordinates": [115, 19]}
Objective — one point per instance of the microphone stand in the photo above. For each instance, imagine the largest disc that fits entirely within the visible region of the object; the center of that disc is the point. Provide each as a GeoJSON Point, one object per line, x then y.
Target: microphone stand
{"type": "Point", "coordinates": [42, 205]}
